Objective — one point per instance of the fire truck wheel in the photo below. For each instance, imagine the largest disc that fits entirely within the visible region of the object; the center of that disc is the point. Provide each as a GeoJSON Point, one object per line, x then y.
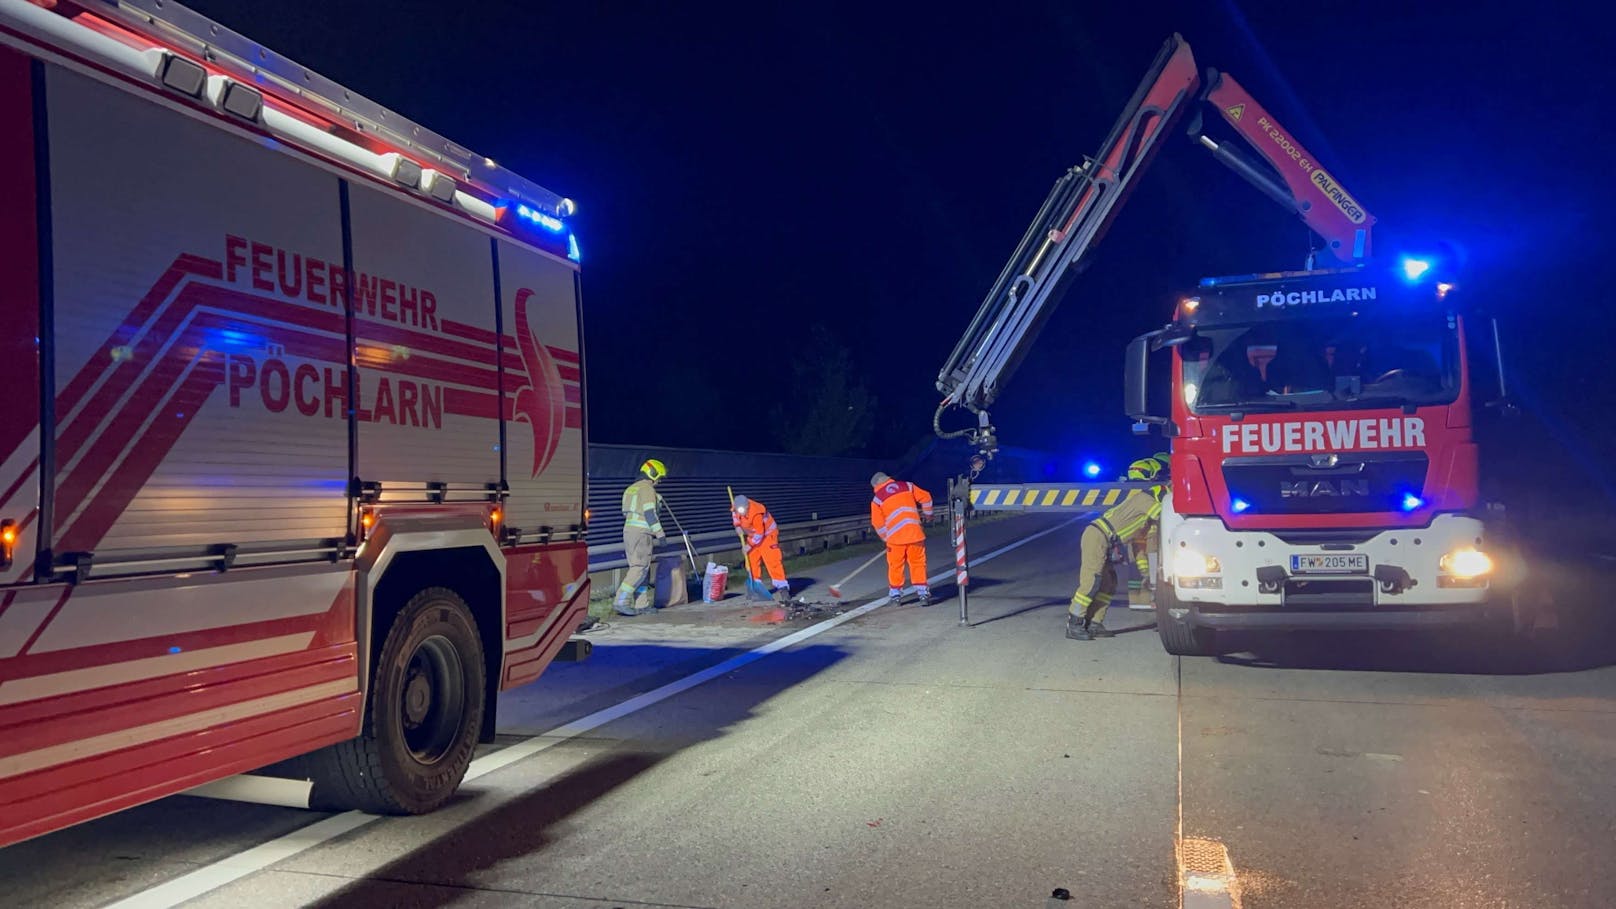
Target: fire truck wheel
{"type": "Point", "coordinates": [422, 717]}
{"type": "Point", "coordinates": [1179, 637]}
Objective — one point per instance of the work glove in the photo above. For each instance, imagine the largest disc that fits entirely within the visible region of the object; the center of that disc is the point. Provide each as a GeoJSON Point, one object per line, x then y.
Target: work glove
{"type": "Point", "coordinates": [658, 534]}
{"type": "Point", "coordinates": [756, 539]}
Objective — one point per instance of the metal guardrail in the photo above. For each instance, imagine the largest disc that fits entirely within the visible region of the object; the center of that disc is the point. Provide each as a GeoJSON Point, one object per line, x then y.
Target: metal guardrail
{"type": "Point", "coordinates": [808, 496]}
{"type": "Point", "coordinates": [605, 557]}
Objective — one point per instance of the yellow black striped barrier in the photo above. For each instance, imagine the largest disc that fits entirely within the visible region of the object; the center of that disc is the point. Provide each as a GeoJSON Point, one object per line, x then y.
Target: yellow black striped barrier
{"type": "Point", "coordinates": [1050, 497]}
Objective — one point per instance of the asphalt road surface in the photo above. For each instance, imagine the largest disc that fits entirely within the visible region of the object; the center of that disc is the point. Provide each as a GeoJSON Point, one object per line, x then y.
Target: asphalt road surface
{"type": "Point", "coordinates": [893, 758]}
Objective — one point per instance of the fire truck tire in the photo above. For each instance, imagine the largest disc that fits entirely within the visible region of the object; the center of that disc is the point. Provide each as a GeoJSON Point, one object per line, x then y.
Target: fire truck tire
{"type": "Point", "coordinates": [422, 717]}
{"type": "Point", "coordinates": [1179, 637]}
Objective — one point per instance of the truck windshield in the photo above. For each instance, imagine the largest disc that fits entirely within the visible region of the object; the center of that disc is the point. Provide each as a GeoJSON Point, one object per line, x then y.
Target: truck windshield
{"type": "Point", "coordinates": [1321, 364]}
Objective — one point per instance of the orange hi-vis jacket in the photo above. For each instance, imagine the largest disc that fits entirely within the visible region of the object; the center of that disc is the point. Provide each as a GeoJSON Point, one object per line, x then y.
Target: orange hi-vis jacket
{"type": "Point", "coordinates": [896, 511]}
{"type": "Point", "coordinates": [757, 524]}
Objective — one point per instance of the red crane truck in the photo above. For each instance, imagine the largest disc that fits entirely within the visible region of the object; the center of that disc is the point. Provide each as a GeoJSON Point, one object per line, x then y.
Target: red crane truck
{"type": "Point", "coordinates": [1324, 473]}
{"type": "Point", "coordinates": [292, 451]}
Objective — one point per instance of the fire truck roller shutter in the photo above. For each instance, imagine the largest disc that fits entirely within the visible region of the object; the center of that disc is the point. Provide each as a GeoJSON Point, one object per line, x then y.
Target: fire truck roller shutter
{"type": "Point", "coordinates": [544, 393]}
{"type": "Point", "coordinates": [199, 355]}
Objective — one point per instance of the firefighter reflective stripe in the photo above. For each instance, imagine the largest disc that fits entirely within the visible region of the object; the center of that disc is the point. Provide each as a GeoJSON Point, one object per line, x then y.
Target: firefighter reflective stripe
{"type": "Point", "coordinates": [639, 500]}
{"type": "Point", "coordinates": [1064, 497]}
{"type": "Point", "coordinates": [1136, 510]}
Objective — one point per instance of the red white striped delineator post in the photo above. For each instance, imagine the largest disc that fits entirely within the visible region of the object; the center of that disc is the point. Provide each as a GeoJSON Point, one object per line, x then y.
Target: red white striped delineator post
{"type": "Point", "coordinates": [961, 561]}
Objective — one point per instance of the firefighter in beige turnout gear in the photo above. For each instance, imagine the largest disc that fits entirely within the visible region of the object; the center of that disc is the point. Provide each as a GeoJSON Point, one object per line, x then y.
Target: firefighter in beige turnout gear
{"type": "Point", "coordinates": [1131, 523]}
{"type": "Point", "coordinates": [642, 528]}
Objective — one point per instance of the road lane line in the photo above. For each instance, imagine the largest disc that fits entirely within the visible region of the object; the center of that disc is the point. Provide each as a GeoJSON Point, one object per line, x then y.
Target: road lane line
{"type": "Point", "coordinates": [233, 868]}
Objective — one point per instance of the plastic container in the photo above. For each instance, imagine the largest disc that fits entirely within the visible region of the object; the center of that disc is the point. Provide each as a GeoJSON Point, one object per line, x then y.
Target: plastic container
{"type": "Point", "coordinates": [714, 583]}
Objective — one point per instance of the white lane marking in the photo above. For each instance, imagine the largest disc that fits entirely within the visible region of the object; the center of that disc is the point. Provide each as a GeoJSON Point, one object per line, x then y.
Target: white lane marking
{"type": "Point", "coordinates": [29, 761]}
{"type": "Point", "coordinates": [43, 686]}
{"type": "Point", "coordinates": [233, 868]}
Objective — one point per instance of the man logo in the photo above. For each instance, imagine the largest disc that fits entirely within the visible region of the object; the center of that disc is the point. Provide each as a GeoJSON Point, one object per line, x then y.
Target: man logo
{"type": "Point", "coordinates": [1318, 489]}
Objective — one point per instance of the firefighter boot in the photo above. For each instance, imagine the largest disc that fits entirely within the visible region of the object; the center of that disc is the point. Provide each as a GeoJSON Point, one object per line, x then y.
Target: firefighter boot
{"type": "Point", "coordinates": [1093, 627]}
{"type": "Point", "coordinates": [1077, 629]}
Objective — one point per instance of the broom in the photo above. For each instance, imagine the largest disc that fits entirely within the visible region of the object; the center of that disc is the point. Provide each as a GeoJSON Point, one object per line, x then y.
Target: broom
{"type": "Point", "coordinates": [836, 588]}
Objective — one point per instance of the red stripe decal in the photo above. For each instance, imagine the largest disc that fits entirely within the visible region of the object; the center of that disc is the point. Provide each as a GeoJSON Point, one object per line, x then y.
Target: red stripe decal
{"type": "Point", "coordinates": [474, 404]}
{"type": "Point", "coordinates": [60, 601]}
{"type": "Point", "coordinates": [5, 497]}
{"type": "Point", "coordinates": [469, 332]}
{"type": "Point", "coordinates": [102, 360]}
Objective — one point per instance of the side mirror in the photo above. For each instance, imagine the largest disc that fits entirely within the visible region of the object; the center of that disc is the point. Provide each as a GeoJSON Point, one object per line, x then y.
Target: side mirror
{"type": "Point", "coordinates": [1136, 380]}
{"type": "Point", "coordinates": [1136, 384]}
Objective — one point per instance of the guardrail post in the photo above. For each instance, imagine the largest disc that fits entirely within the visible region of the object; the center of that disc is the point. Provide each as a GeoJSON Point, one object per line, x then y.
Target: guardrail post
{"type": "Point", "coordinates": [958, 496]}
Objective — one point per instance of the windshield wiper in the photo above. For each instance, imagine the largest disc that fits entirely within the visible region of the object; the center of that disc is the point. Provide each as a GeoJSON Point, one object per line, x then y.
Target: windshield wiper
{"type": "Point", "coordinates": [1382, 400]}
{"type": "Point", "coordinates": [1248, 405]}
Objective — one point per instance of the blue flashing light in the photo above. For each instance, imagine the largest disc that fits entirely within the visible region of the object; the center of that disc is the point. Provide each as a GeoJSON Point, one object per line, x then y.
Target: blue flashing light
{"type": "Point", "coordinates": [173, 650]}
{"type": "Point", "coordinates": [1415, 269]}
{"type": "Point", "coordinates": [1091, 469]}
{"type": "Point", "coordinates": [547, 221]}
{"type": "Point", "coordinates": [227, 339]}
{"type": "Point", "coordinates": [572, 248]}
{"type": "Point", "coordinates": [1239, 506]}
{"type": "Point", "coordinates": [1412, 502]}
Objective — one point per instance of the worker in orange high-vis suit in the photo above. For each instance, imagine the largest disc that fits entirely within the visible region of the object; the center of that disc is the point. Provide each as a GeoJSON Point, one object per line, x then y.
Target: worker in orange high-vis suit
{"type": "Point", "coordinates": [762, 536]}
{"type": "Point", "coordinates": [896, 512]}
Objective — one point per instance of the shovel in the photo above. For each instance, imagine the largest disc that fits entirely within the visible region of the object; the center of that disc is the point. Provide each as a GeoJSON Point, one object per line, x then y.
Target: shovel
{"type": "Point", "coordinates": [689, 550]}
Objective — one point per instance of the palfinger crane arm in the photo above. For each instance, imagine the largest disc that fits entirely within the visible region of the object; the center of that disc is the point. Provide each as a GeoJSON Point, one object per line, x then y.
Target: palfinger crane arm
{"type": "Point", "coordinates": [1308, 189]}
{"type": "Point", "coordinates": [1055, 248]}
{"type": "Point", "coordinates": [1085, 200]}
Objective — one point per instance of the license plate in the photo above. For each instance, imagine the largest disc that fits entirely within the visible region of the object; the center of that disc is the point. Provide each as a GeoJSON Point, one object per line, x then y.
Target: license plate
{"type": "Point", "coordinates": [1349, 563]}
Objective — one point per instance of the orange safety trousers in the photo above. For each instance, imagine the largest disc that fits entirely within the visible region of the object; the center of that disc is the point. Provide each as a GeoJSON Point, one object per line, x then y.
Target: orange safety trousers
{"type": "Point", "coordinates": [901, 554]}
{"type": "Point", "coordinates": [766, 554]}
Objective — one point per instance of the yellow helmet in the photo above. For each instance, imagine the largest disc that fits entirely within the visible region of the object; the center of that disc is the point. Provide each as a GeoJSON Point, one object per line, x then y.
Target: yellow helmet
{"type": "Point", "coordinates": [1144, 469]}
{"type": "Point", "coordinates": [654, 469]}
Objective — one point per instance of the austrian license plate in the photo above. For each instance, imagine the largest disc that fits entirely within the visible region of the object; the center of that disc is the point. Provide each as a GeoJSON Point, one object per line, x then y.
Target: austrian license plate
{"type": "Point", "coordinates": [1330, 563]}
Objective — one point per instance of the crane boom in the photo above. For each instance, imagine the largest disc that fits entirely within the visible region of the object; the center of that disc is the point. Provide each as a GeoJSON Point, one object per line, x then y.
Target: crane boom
{"type": "Point", "coordinates": [1310, 190]}
{"type": "Point", "coordinates": [1085, 200]}
{"type": "Point", "coordinates": [1054, 249]}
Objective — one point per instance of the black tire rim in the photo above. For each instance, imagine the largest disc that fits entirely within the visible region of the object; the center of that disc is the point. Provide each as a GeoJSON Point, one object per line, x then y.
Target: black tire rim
{"type": "Point", "coordinates": [432, 702]}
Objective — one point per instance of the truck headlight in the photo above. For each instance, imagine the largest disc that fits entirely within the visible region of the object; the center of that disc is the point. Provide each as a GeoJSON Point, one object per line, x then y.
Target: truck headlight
{"type": "Point", "coordinates": [1187, 563]}
{"type": "Point", "coordinates": [1466, 564]}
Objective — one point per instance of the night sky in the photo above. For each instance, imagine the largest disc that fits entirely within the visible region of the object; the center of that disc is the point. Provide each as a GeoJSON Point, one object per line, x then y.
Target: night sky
{"type": "Point", "coordinates": [744, 173]}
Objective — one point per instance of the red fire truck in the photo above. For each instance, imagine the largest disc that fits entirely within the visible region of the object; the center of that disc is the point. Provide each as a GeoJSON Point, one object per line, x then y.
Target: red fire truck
{"type": "Point", "coordinates": [292, 451]}
{"type": "Point", "coordinates": [1324, 470]}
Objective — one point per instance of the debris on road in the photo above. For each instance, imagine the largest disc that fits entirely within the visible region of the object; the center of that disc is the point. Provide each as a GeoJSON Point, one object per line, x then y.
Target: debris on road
{"type": "Point", "coordinates": [798, 608]}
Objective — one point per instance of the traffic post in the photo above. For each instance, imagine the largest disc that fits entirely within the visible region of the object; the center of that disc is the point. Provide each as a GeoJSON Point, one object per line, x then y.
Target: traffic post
{"type": "Point", "coordinates": [959, 496]}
